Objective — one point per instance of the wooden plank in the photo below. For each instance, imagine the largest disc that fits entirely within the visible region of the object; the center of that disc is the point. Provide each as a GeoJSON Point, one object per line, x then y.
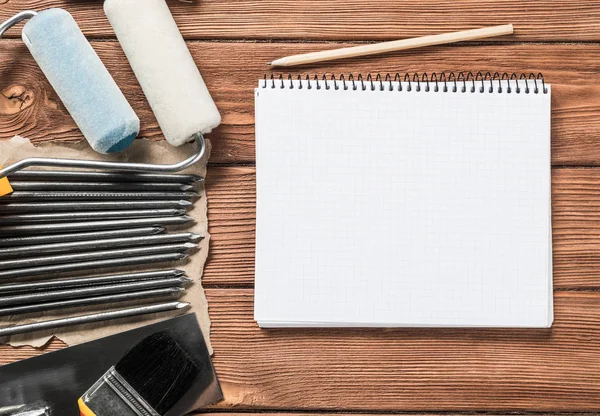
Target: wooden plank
{"type": "Point", "coordinates": [429, 370]}
{"type": "Point", "coordinates": [576, 204]}
{"type": "Point", "coordinates": [231, 196]}
{"type": "Point", "coordinates": [31, 108]}
{"type": "Point", "coordinates": [409, 369]}
{"type": "Point", "coordinates": [576, 226]}
{"type": "Point", "coordinates": [11, 354]}
{"type": "Point", "coordinates": [349, 19]}
{"type": "Point", "coordinates": [322, 413]}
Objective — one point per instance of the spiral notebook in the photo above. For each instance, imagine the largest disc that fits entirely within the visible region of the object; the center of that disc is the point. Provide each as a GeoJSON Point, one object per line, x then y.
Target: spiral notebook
{"type": "Point", "coordinates": [423, 202]}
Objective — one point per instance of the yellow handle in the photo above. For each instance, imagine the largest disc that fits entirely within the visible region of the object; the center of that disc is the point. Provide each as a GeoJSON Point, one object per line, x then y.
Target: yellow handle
{"type": "Point", "coordinates": [5, 187]}
{"type": "Point", "coordinates": [83, 409]}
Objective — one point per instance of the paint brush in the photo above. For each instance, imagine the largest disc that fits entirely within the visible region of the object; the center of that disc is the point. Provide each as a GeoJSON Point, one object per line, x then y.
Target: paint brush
{"type": "Point", "coordinates": [61, 175]}
{"type": "Point", "coordinates": [150, 378]}
{"type": "Point", "coordinates": [94, 317]}
{"type": "Point", "coordinates": [96, 300]}
{"type": "Point", "coordinates": [97, 255]}
{"type": "Point", "coordinates": [19, 241]}
{"type": "Point", "coordinates": [53, 270]}
{"type": "Point", "coordinates": [87, 292]}
{"type": "Point", "coordinates": [75, 246]}
{"type": "Point", "coordinates": [95, 196]}
{"type": "Point", "coordinates": [12, 230]}
{"type": "Point", "coordinates": [32, 287]}
{"type": "Point", "coordinates": [88, 216]}
{"type": "Point", "coordinates": [100, 186]}
{"type": "Point", "coordinates": [67, 206]}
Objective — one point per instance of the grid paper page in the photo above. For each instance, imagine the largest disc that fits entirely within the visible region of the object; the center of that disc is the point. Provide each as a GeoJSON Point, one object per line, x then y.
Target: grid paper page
{"type": "Point", "coordinates": [389, 208]}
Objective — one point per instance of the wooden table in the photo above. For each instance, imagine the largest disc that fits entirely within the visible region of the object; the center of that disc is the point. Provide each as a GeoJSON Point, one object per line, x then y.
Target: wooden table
{"type": "Point", "coordinates": [367, 371]}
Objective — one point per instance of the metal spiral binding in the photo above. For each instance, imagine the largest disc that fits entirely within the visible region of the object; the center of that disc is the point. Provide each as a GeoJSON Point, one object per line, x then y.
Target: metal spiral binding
{"type": "Point", "coordinates": [463, 82]}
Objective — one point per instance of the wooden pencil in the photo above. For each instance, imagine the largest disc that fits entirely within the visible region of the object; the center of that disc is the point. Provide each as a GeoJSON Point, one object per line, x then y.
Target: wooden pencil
{"type": "Point", "coordinates": [395, 45]}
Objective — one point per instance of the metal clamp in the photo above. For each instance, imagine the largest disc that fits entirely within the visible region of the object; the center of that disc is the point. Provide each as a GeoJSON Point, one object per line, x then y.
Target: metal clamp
{"type": "Point", "coordinates": [27, 14]}
{"type": "Point", "coordinates": [96, 164]}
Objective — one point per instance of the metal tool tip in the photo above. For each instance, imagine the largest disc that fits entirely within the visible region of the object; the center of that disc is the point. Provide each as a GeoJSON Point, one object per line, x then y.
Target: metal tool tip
{"type": "Point", "coordinates": [178, 272]}
{"type": "Point", "coordinates": [197, 178]}
{"type": "Point", "coordinates": [196, 237]}
{"type": "Point", "coordinates": [190, 246]}
{"type": "Point", "coordinates": [180, 212]}
{"type": "Point", "coordinates": [184, 282]}
{"type": "Point", "coordinates": [183, 305]}
{"type": "Point", "coordinates": [158, 230]}
{"type": "Point", "coordinates": [177, 290]}
{"type": "Point", "coordinates": [183, 256]}
{"type": "Point", "coordinates": [187, 188]}
{"type": "Point", "coordinates": [186, 218]}
{"type": "Point", "coordinates": [185, 204]}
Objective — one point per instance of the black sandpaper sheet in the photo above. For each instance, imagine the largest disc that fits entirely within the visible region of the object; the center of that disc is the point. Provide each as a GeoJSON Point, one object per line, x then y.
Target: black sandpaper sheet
{"type": "Point", "coordinates": [60, 378]}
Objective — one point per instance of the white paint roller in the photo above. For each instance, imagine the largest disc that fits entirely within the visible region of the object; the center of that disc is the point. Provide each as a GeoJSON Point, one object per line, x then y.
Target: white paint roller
{"type": "Point", "coordinates": [164, 68]}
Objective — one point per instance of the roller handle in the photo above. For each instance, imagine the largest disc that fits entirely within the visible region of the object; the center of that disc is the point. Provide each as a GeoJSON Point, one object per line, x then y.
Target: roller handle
{"type": "Point", "coordinates": [99, 165]}
{"type": "Point", "coordinates": [26, 14]}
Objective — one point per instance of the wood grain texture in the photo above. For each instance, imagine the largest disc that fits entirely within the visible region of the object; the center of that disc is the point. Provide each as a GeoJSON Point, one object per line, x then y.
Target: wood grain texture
{"type": "Point", "coordinates": [348, 19]}
{"type": "Point", "coordinates": [402, 370]}
{"type": "Point", "coordinates": [409, 369]}
{"type": "Point", "coordinates": [11, 354]}
{"type": "Point", "coordinates": [576, 226]}
{"type": "Point", "coordinates": [29, 106]}
{"type": "Point", "coordinates": [253, 364]}
{"type": "Point", "coordinates": [231, 197]}
{"type": "Point", "coordinates": [322, 413]}
{"type": "Point", "coordinates": [449, 370]}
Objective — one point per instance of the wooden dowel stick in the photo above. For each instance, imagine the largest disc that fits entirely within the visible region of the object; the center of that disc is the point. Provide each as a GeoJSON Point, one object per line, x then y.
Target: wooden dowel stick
{"type": "Point", "coordinates": [396, 45]}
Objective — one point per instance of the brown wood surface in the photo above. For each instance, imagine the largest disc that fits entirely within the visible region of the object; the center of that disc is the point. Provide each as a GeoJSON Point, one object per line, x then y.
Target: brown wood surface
{"type": "Point", "coordinates": [323, 413]}
{"type": "Point", "coordinates": [30, 107]}
{"type": "Point", "coordinates": [366, 371]}
{"type": "Point", "coordinates": [495, 370]}
{"type": "Point", "coordinates": [409, 369]}
{"type": "Point", "coordinates": [349, 19]}
{"type": "Point", "coordinates": [576, 227]}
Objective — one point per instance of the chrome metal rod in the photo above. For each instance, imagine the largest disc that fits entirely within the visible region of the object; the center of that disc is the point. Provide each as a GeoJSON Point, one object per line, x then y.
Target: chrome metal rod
{"type": "Point", "coordinates": [101, 186]}
{"type": "Point", "coordinates": [88, 216]}
{"type": "Point", "coordinates": [7, 24]}
{"type": "Point", "coordinates": [67, 175]}
{"type": "Point", "coordinates": [53, 270]}
{"type": "Point", "coordinates": [32, 287]}
{"type": "Point", "coordinates": [94, 317]}
{"type": "Point", "coordinates": [49, 207]}
{"type": "Point", "coordinates": [79, 236]}
{"type": "Point", "coordinates": [101, 165]}
{"type": "Point", "coordinates": [18, 196]}
{"type": "Point", "coordinates": [96, 255]}
{"type": "Point", "coordinates": [97, 300]}
{"type": "Point", "coordinates": [78, 246]}
{"type": "Point", "coordinates": [14, 230]}
{"type": "Point", "coordinates": [86, 292]}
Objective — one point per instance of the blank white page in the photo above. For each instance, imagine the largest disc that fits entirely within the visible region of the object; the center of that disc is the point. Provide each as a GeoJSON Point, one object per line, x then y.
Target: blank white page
{"type": "Point", "coordinates": [398, 208]}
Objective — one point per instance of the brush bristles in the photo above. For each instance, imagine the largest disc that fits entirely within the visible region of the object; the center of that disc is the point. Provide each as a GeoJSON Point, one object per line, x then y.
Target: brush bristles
{"type": "Point", "coordinates": [159, 370]}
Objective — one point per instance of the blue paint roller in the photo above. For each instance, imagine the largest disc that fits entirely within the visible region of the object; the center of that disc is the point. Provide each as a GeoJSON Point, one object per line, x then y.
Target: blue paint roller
{"type": "Point", "coordinates": [80, 79]}
{"type": "Point", "coordinates": [157, 53]}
